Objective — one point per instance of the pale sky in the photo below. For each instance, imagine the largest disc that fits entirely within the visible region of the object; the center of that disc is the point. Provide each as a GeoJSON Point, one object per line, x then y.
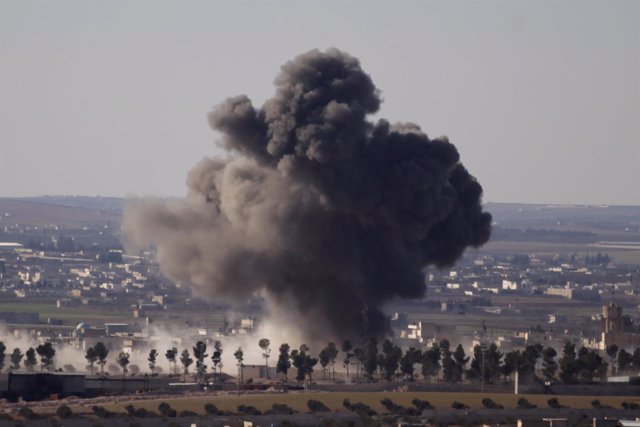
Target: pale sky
{"type": "Point", "coordinates": [110, 98]}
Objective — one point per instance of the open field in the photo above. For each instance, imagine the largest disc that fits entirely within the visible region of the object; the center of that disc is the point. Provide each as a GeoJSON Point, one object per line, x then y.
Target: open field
{"type": "Point", "coordinates": [619, 255]}
{"type": "Point", "coordinates": [35, 213]}
{"type": "Point", "coordinates": [78, 314]}
{"type": "Point", "coordinates": [625, 257]}
{"type": "Point", "coordinates": [333, 400]}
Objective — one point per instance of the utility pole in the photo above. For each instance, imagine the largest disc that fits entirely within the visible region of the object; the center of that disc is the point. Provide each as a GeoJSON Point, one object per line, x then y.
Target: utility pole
{"type": "Point", "coordinates": [483, 349]}
{"type": "Point", "coordinates": [517, 376]}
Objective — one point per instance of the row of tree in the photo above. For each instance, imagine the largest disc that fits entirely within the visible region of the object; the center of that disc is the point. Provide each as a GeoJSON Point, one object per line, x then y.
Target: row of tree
{"type": "Point", "coordinates": [45, 352]}
{"type": "Point", "coordinates": [374, 359]}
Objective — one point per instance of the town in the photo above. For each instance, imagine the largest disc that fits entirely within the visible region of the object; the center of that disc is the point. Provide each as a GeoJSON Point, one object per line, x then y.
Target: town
{"type": "Point", "coordinates": [76, 289]}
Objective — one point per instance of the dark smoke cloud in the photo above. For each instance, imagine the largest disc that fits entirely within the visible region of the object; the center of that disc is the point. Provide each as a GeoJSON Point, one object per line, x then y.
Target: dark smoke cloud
{"type": "Point", "coordinates": [331, 214]}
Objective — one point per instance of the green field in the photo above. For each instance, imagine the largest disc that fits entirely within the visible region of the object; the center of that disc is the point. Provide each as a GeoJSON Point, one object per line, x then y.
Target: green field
{"type": "Point", "coordinates": [298, 401]}
{"type": "Point", "coordinates": [70, 314]}
{"type": "Point", "coordinates": [621, 256]}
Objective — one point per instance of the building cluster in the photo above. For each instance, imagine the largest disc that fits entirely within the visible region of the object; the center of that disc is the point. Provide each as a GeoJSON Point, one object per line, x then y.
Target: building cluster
{"type": "Point", "coordinates": [510, 300]}
{"type": "Point", "coordinates": [520, 300]}
{"type": "Point", "coordinates": [93, 292]}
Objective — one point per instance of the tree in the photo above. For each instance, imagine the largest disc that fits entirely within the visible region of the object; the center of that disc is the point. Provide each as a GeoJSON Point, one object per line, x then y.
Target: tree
{"type": "Point", "coordinates": [528, 360]}
{"type": "Point", "coordinates": [284, 363]}
{"type": "Point", "coordinates": [612, 352]}
{"type": "Point", "coordinates": [408, 362]}
{"type": "Point", "coordinates": [200, 353]}
{"type": "Point", "coordinates": [264, 345]}
{"type": "Point", "coordinates": [152, 359]}
{"type": "Point", "coordinates": [431, 362]}
{"type": "Point", "coordinates": [371, 357]}
{"type": "Point", "coordinates": [568, 364]}
{"type": "Point", "coordinates": [304, 363]}
{"type": "Point", "coordinates": [460, 359]}
{"type": "Point", "coordinates": [91, 358]}
{"type": "Point", "coordinates": [297, 360]}
{"type": "Point", "coordinates": [346, 349]}
{"type": "Point", "coordinates": [323, 357]}
{"type": "Point", "coordinates": [186, 361]}
{"type": "Point", "coordinates": [216, 358]}
{"type": "Point", "coordinates": [590, 363]}
{"type": "Point", "coordinates": [309, 364]}
{"type": "Point", "coordinates": [636, 359]}
{"type": "Point", "coordinates": [449, 366]}
{"type": "Point", "coordinates": [171, 355]}
{"type": "Point", "coordinates": [30, 361]}
{"type": "Point", "coordinates": [389, 359]}
{"type": "Point", "coordinates": [332, 353]}
{"type": "Point", "coordinates": [625, 360]}
{"type": "Point", "coordinates": [46, 353]}
{"type": "Point", "coordinates": [239, 355]}
{"type": "Point", "coordinates": [123, 361]}
{"type": "Point", "coordinates": [361, 357]}
{"type": "Point", "coordinates": [3, 355]}
{"type": "Point", "coordinates": [102, 353]}
{"type": "Point", "coordinates": [485, 365]}
{"type": "Point", "coordinates": [16, 358]}
{"type": "Point", "coordinates": [509, 363]}
{"type": "Point", "coordinates": [549, 365]}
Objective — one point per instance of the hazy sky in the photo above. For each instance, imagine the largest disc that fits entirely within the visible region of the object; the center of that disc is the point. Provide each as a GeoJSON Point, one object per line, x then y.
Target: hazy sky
{"type": "Point", "coordinates": [542, 99]}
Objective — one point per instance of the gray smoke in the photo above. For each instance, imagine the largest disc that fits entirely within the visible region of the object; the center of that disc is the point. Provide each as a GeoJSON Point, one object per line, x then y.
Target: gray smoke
{"type": "Point", "coordinates": [331, 214]}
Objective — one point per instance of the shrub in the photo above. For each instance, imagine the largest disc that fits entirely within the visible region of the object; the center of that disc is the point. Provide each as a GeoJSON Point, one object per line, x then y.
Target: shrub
{"type": "Point", "coordinates": [139, 412]}
{"type": "Point", "coordinates": [421, 405]}
{"type": "Point", "coordinates": [5, 417]}
{"type": "Point", "coordinates": [101, 412]}
{"type": "Point", "coordinates": [490, 404]}
{"type": "Point", "coordinates": [143, 413]}
{"type": "Point", "coordinates": [317, 406]}
{"type": "Point", "coordinates": [27, 413]}
{"type": "Point", "coordinates": [359, 408]}
{"type": "Point", "coordinates": [554, 403]}
{"type": "Point", "coordinates": [524, 404]}
{"type": "Point", "coordinates": [211, 409]}
{"type": "Point", "coordinates": [595, 403]}
{"type": "Point", "coordinates": [630, 405]}
{"type": "Point", "coordinates": [187, 413]}
{"type": "Point", "coordinates": [166, 410]}
{"type": "Point", "coordinates": [248, 410]}
{"type": "Point", "coordinates": [396, 409]}
{"type": "Point", "coordinates": [458, 405]}
{"type": "Point", "coordinates": [64, 411]}
{"type": "Point", "coordinates": [281, 409]}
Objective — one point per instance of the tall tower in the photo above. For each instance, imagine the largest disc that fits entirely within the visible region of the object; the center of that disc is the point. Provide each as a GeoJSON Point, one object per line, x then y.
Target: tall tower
{"type": "Point", "coordinates": [612, 319]}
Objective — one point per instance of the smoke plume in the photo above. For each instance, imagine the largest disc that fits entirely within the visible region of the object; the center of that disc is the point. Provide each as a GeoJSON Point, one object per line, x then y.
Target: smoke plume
{"type": "Point", "coordinates": [331, 214]}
